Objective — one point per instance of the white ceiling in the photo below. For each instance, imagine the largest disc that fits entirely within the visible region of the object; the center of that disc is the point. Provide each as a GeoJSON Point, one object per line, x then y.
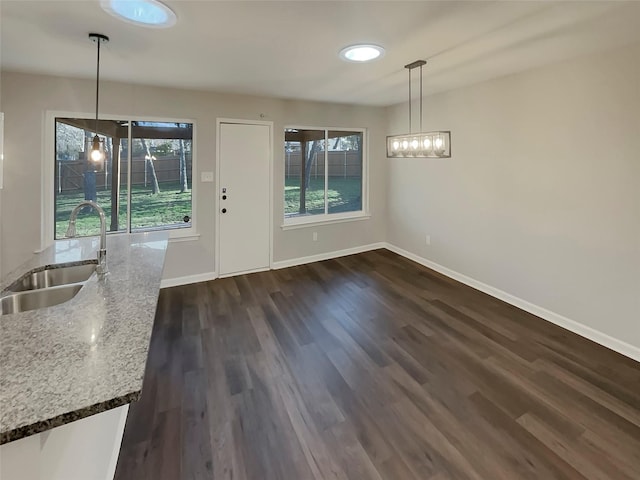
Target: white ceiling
{"type": "Point", "coordinates": [289, 49]}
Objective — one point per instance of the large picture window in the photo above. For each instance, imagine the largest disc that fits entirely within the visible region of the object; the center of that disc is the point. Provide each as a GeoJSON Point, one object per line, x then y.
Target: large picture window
{"type": "Point", "coordinates": [323, 174]}
{"type": "Point", "coordinates": [146, 180]}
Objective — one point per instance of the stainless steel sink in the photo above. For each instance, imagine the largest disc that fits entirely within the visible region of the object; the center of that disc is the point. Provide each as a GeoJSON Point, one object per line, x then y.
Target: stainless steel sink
{"type": "Point", "coordinates": [34, 299]}
{"type": "Point", "coordinates": [53, 275]}
{"type": "Point", "coordinates": [46, 286]}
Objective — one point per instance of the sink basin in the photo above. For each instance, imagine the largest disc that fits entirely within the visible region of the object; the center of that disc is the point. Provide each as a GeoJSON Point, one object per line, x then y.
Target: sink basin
{"type": "Point", "coordinates": [53, 275]}
{"type": "Point", "coordinates": [46, 286]}
{"type": "Point", "coordinates": [34, 299]}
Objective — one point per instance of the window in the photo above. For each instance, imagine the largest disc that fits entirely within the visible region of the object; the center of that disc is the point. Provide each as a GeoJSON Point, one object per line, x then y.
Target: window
{"type": "Point", "coordinates": [324, 174]}
{"type": "Point", "coordinates": [146, 181]}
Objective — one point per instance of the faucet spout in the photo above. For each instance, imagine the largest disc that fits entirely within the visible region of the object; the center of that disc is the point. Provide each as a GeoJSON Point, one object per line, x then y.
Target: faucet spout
{"type": "Point", "coordinates": [71, 232]}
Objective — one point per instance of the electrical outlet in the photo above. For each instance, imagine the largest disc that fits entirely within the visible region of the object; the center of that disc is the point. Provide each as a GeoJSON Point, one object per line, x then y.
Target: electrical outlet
{"type": "Point", "coordinates": [315, 236]}
{"type": "Point", "coordinates": [206, 177]}
{"type": "Point", "coordinates": [428, 239]}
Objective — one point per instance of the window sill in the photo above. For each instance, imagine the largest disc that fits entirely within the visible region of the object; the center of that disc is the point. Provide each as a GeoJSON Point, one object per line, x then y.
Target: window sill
{"type": "Point", "coordinates": [327, 221]}
{"type": "Point", "coordinates": [176, 233]}
{"type": "Point", "coordinates": [175, 237]}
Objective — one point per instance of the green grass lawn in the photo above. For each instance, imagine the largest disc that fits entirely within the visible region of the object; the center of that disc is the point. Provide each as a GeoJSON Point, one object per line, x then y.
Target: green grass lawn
{"type": "Point", "coordinates": [170, 206]}
{"type": "Point", "coordinates": [147, 211]}
{"type": "Point", "coordinates": [345, 195]}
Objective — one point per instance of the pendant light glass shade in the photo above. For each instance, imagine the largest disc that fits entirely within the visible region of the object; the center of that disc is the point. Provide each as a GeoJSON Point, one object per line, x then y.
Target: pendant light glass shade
{"type": "Point", "coordinates": [421, 144]}
{"type": "Point", "coordinates": [97, 154]}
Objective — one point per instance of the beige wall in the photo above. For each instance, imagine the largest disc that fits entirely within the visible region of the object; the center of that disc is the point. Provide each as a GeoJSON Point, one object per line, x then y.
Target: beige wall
{"type": "Point", "coordinates": [26, 98]}
{"type": "Point", "coordinates": [541, 198]}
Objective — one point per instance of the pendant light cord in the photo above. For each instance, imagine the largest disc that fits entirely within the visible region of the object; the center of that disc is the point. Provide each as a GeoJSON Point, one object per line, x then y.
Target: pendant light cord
{"type": "Point", "coordinates": [98, 41]}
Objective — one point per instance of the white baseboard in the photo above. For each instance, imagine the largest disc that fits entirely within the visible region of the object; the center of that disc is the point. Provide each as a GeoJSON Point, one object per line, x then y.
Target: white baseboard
{"type": "Point", "coordinates": [601, 338]}
{"type": "Point", "coordinates": [205, 277]}
{"type": "Point", "coordinates": [177, 281]}
{"type": "Point", "coordinates": [244, 272]}
{"type": "Point", "coordinates": [326, 256]}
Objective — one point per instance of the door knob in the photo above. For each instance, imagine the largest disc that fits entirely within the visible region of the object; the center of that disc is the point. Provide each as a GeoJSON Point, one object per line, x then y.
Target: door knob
{"type": "Point", "coordinates": [224, 197]}
{"type": "Point", "coordinates": [224, 210]}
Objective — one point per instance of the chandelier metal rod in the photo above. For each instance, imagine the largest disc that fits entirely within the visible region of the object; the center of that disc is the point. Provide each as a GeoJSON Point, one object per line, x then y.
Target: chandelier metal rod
{"type": "Point", "coordinates": [410, 129]}
{"type": "Point", "coordinates": [411, 66]}
{"type": "Point", "coordinates": [421, 98]}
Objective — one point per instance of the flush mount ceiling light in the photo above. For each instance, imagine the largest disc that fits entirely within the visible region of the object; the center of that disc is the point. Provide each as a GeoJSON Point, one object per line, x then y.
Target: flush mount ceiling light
{"type": "Point", "coordinates": [361, 53]}
{"type": "Point", "coordinates": [422, 144]}
{"type": "Point", "coordinates": [148, 13]}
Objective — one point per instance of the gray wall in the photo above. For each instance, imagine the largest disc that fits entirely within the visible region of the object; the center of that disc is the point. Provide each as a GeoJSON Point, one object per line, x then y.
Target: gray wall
{"type": "Point", "coordinates": [26, 98]}
{"type": "Point", "coordinates": [541, 198]}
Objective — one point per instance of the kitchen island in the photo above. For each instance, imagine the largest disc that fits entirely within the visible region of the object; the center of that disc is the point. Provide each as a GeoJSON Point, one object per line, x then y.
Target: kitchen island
{"type": "Point", "coordinates": [85, 356]}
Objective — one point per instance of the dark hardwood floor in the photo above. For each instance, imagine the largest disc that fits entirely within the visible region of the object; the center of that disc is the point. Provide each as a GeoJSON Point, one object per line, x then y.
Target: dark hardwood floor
{"type": "Point", "coordinates": [373, 367]}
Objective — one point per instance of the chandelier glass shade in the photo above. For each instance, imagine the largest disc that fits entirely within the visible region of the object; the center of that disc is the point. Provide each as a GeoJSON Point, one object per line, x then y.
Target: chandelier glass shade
{"type": "Point", "coordinates": [420, 145]}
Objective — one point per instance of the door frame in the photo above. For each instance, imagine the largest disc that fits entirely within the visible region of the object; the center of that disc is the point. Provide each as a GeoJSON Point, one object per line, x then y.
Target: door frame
{"type": "Point", "coordinates": [219, 122]}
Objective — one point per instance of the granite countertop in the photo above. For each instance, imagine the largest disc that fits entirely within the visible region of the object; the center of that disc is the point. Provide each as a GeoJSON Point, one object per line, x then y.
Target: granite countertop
{"type": "Point", "coordinates": [87, 355]}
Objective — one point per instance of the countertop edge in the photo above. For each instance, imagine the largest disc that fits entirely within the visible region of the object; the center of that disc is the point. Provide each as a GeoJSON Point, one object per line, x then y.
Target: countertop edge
{"type": "Point", "coordinates": [44, 425]}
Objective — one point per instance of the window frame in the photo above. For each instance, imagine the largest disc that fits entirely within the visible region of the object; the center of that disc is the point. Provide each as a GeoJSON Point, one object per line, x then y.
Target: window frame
{"type": "Point", "coordinates": [47, 236]}
{"type": "Point", "coordinates": [294, 222]}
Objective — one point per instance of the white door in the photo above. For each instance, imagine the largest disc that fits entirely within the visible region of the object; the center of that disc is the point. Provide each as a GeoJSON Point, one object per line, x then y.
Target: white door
{"type": "Point", "coordinates": [243, 197]}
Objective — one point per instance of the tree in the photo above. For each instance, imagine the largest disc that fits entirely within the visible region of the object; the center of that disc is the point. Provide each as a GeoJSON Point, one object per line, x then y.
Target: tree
{"type": "Point", "coordinates": [148, 164]}
{"type": "Point", "coordinates": [184, 187]}
{"type": "Point", "coordinates": [316, 147]}
{"type": "Point", "coordinates": [349, 142]}
{"type": "Point", "coordinates": [68, 141]}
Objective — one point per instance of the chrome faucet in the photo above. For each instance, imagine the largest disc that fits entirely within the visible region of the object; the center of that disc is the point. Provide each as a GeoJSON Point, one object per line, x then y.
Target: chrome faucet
{"type": "Point", "coordinates": [71, 232]}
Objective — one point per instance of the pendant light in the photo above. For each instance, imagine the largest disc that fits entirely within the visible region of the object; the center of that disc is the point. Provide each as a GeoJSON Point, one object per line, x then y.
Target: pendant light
{"type": "Point", "coordinates": [420, 144]}
{"type": "Point", "coordinates": [97, 152]}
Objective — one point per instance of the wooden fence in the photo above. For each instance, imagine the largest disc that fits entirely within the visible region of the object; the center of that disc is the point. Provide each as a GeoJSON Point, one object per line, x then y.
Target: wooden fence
{"type": "Point", "coordinates": [344, 164]}
{"type": "Point", "coordinates": [70, 173]}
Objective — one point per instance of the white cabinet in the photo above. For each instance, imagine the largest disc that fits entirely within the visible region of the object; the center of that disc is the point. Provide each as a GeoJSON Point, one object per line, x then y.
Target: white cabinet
{"type": "Point", "coordinates": [86, 449]}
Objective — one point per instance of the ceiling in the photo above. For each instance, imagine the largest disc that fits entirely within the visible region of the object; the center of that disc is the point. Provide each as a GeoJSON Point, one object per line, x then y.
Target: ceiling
{"type": "Point", "coordinates": [289, 49]}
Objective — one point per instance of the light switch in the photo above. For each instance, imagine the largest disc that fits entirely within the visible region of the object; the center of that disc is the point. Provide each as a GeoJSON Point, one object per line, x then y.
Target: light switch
{"type": "Point", "coordinates": [206, 176]}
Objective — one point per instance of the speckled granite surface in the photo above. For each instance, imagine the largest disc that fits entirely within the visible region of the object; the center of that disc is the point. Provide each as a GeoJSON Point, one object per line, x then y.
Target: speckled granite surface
{"type": "Point", "coordinates": [87, 355]}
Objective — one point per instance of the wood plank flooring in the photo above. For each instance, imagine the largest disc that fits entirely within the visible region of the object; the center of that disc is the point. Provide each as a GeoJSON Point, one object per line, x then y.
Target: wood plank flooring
{"type": "Point", "coordinates": [373, 367]}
